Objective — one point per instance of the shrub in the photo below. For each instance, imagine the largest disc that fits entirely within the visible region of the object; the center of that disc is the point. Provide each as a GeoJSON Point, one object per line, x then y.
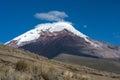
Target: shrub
{"type": "Point", "coordinates": [47, 72]}
{"type": "Point", "coordinates": [67, 75]}
{"type": "Point", "coordinates": [22, 65]}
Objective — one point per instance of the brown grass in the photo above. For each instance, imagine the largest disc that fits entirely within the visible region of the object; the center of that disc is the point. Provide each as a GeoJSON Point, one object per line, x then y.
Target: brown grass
{"type": "Point", "coordinates": [17, 64]}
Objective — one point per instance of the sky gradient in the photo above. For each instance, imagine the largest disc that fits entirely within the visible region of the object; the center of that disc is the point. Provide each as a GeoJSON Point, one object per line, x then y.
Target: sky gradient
{"type": "Point", "coordinates": [99, 19]}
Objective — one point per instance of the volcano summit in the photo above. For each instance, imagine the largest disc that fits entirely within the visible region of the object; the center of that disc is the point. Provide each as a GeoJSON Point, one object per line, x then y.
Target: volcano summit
{"type": "Point", "coordinates": [52, 39]}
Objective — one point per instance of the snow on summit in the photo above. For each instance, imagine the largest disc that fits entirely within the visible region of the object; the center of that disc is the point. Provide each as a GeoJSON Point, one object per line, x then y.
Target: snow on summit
{"type": "Point", "coordinates": [59, 26]}
{"type": "Point", "coordinates": [52, 27]}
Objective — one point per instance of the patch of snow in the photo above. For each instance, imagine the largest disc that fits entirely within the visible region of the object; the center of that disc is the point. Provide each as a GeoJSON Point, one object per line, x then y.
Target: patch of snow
{"type": "Point", "coordinates": [52, 27]}
{"type": "Point", "coordinates": [92, 43]}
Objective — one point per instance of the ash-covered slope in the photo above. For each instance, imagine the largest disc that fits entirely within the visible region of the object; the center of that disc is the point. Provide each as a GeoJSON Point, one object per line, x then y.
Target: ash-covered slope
{"type": "Point", "coordinates": [52, 39]}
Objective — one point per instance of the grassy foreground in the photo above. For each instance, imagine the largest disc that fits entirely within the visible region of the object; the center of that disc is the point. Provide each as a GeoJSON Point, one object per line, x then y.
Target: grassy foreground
{"type": "Point", "coordinates": [16, 64]}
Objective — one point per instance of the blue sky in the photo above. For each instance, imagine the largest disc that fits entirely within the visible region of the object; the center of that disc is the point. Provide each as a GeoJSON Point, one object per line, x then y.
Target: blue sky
{"type": "Point", "coordinates": [99, 19]}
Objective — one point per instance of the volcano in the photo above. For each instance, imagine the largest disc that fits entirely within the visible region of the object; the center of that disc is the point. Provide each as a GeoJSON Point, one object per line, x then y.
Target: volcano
{"type": "Point", "coordinates": [52, 39]}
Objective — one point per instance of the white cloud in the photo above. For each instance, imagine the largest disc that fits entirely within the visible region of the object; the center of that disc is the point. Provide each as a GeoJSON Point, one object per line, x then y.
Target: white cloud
{"type": "Point", "coordinates": [52, 16]}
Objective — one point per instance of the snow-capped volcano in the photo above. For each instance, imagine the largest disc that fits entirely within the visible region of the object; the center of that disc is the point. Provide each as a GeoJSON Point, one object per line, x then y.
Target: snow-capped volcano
{"type": "Point", "coordinates": [51, 27]}
{"type": "Point", "coordinates": [51, 39]}
{"type": "Point", "coordinates": [35, 33]}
